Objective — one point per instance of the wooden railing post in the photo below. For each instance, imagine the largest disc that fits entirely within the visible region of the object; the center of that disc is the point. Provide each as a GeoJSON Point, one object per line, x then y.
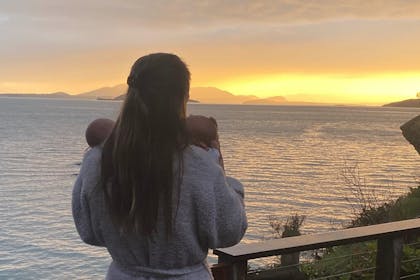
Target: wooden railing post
{"type": "Point", "coordinates": [240, 269]}
{"type": "Point", "coordinates": [235, 270]}
{"type": "Point", "coordinates": [388, 258]}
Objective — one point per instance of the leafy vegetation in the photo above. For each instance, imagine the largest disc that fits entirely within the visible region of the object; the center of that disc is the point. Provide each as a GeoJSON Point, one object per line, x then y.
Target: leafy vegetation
{"type": "Point", "coordinates": [291, 227]}
{"type": "Point", "coordinates": [357, 261]}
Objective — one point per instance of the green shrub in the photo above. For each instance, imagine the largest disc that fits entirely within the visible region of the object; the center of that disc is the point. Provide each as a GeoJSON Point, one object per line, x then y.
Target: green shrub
{"type": "Point", "coordinates": [361, 256]}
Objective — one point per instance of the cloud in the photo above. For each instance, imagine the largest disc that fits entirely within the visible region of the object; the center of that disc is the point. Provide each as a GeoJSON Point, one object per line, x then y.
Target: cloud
{"type": "Point", "coordinates": [48, 24]}
{"type": "Point", "coordinates": [113, 22]}
{"type": "Point", "coordinates": [51, 40]}
{"type": "Point", "coordinates": [192, 13]}
{"type": "Point", "coordinates": [3, 18]}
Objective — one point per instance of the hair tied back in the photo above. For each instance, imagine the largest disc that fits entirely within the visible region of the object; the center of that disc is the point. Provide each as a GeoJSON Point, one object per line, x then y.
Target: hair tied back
{"type": "Point", "coordinates": [132, 81]}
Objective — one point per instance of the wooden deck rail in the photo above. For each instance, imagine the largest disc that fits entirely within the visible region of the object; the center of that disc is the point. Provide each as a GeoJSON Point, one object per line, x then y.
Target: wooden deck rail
{"type": "Point", "coordinates": [389, 237]}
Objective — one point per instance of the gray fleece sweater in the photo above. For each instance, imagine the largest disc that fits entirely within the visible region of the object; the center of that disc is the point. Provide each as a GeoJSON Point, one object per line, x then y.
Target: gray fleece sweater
{"type": "Point", "coordinates": [210, 215]}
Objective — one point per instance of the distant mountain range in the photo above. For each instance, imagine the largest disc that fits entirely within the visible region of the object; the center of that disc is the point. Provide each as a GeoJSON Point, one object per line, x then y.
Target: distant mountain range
{"type": "Point", "coordinates": [278, 100]}
{"type": "Point", "coordinates": [214, 95]}
{"type": "Point", "coordinates": [100, 93]}
{"type": "Point", "coordinates": [44, 95]}
{"type": "Point", "coordinates": [104, 92]}
{"type": "Point", "coordinates": [405, 103]}
{"type": "Point", "coordinates": [209, 95]}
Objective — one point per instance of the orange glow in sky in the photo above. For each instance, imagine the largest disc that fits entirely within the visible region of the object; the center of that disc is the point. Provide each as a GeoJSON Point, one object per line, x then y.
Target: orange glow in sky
{"type": "Point", "coordinates": [316, 51]}
{"type": "Point", "coordinates": [367, 89]}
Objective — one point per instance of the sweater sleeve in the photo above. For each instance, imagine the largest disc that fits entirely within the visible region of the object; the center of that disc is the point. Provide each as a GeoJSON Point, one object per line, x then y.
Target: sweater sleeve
{"type": "Point", "coordinates": [87, 180]}
{"type": "Point", "coordinates": [225, 219]}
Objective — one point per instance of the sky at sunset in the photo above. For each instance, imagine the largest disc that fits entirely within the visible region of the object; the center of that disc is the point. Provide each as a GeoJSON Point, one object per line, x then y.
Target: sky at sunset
{"type": "Point", "coordinates": [364, 52]}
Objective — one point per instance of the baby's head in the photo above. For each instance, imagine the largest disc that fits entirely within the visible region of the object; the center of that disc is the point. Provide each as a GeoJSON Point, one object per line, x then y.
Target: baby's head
{"type": "Point", "coordinates": [202, 129]}
{"type": "Point", "coordinates": [98, 130]}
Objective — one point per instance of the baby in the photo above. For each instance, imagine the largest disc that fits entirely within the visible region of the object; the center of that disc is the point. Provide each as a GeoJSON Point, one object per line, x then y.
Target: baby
{"type": "Point", "coordinates": [202, 132]}
{"type": "Point", "coordinates": [98, 130]}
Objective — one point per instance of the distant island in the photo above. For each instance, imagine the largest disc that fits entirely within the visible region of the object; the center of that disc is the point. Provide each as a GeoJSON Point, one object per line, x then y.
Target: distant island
{"type": "Point", "coordinates": [44, 95]}
{"type": "Point", "coordinates": [266, 101]}
{"type": "Point", "coordinates": [206, 95]}
{"type": "Point", "coordinates": [280, 100]}
{"type": "Point", "coordinates": [414, 103]}
{"type": "Point", "coordinates": [213, 95]}
{"type": "Point", "coordinates": [103, 93]}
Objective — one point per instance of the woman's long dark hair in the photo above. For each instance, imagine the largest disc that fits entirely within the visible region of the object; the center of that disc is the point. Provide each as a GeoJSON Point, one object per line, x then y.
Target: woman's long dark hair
{"type": "Point", "coordinates": [140, 174]}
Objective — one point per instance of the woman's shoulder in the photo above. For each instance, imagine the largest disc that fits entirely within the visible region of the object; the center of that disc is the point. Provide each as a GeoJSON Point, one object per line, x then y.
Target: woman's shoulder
{"type": "Point", "coordinates": [201, 168]}
{"type": "Point", "coordinates": [92, 157]}
{"type": "Point", "coordinates": [198, 158]}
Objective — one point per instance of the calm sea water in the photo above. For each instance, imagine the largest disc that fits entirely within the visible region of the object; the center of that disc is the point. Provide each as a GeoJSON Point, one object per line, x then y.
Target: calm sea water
{"type": "Point", "coordinates": [288, 158]}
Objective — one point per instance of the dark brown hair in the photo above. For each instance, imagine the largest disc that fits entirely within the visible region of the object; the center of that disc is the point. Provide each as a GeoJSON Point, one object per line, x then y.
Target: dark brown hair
{"type": "Point", "coordinates": [142, 160]}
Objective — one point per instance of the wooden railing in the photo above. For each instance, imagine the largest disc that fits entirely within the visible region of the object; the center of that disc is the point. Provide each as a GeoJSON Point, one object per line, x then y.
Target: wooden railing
{"type": "Point", "coordinates": [233, 261]}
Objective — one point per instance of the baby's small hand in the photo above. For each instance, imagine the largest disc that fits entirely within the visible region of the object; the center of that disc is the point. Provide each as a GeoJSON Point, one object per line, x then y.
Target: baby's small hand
{"type": "Point", "coordinates": [202, 145]}
{"type": "Point", "coordinates": [215, 144]}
